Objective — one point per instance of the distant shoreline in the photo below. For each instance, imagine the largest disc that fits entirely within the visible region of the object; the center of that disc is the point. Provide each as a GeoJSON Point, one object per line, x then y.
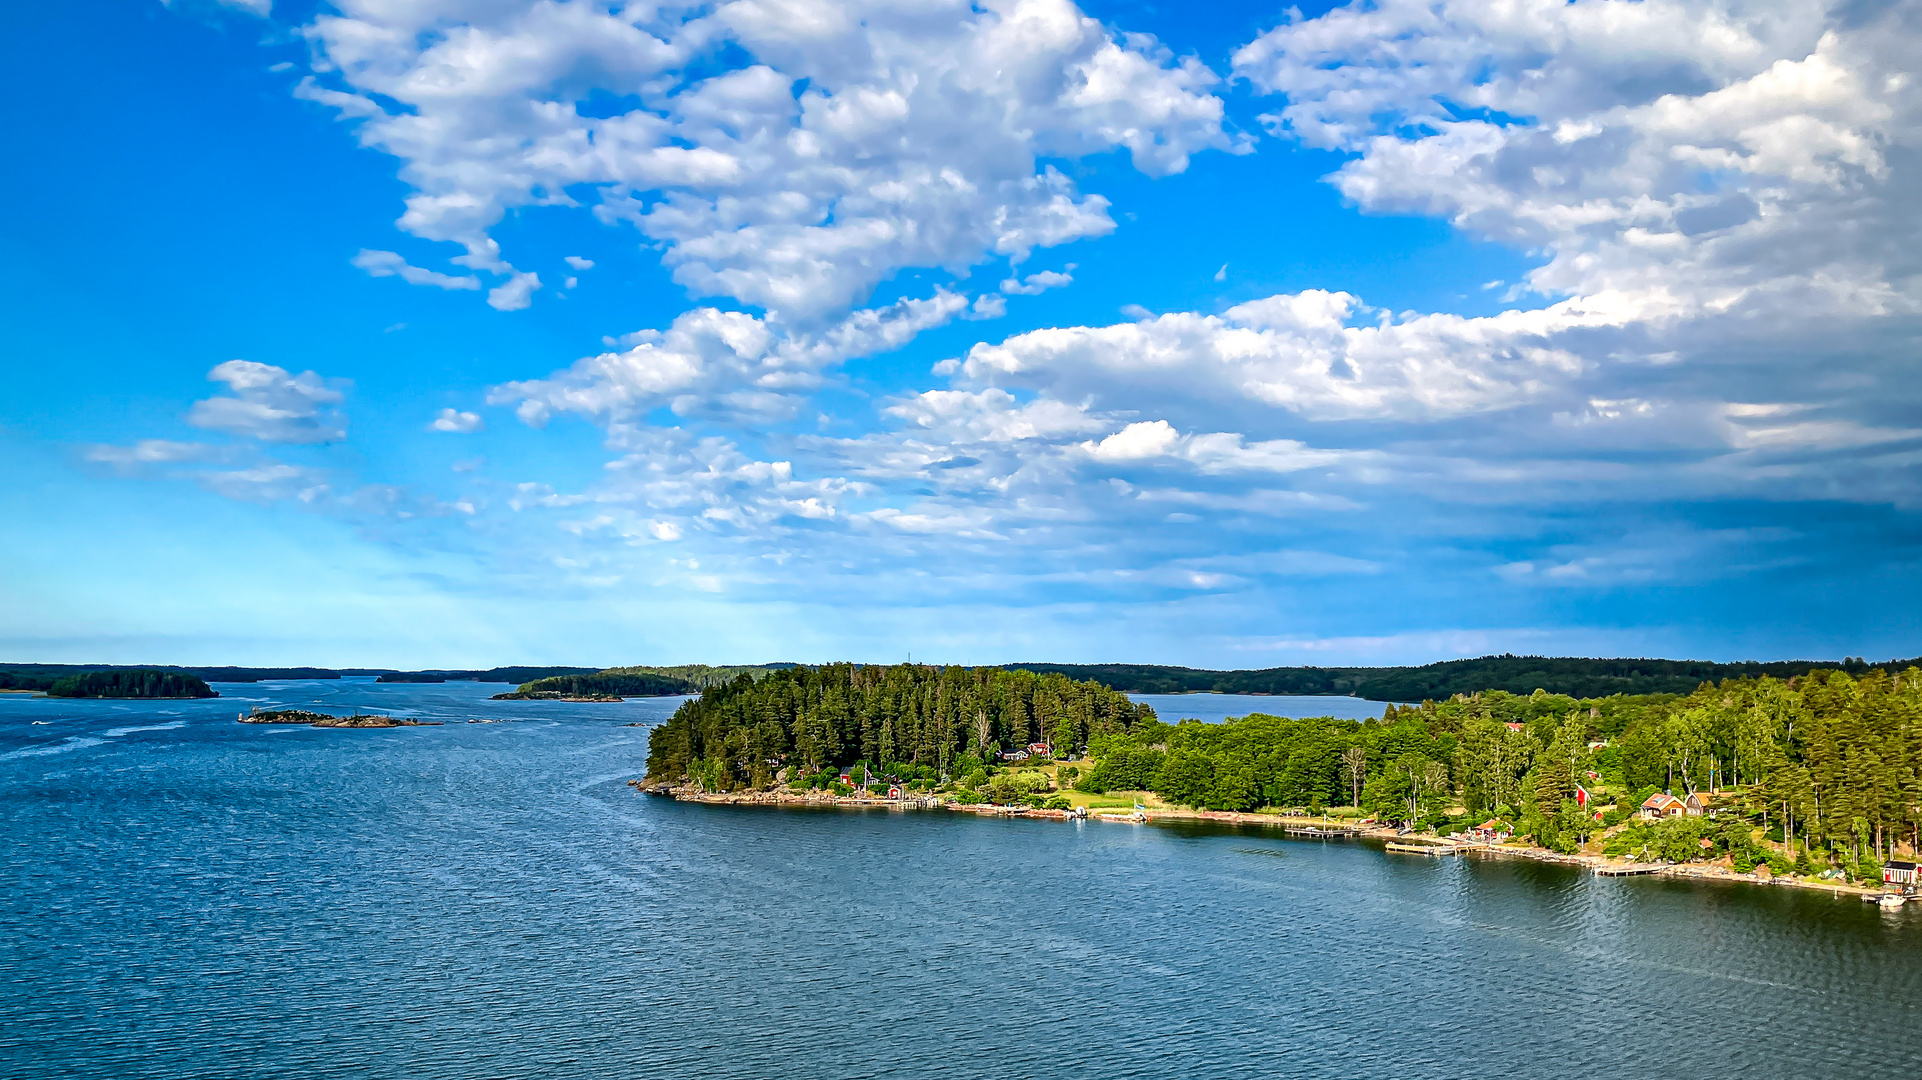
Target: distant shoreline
{"type": "Point", "coordinates": [63, 697]}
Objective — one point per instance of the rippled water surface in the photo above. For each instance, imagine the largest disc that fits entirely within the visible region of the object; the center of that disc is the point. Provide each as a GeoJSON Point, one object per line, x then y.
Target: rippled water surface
{"type": "Point", "coordinates": [184, 896]}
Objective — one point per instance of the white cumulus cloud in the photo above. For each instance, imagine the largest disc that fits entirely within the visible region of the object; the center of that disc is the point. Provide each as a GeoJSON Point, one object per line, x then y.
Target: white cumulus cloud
{"type": "Point", "coordinates": [267, 403]}
{"type": "Point", "coordinates": [456, 422]}
{"type": "Point", "coordinates": [389, 264]}
{"type": "Point", "coordinates": [821, 148]}
{"type": "Point", "coordinates": [1036, 284]}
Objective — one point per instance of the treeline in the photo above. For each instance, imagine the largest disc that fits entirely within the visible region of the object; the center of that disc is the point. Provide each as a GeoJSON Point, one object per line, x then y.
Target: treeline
{"type": "Point", "coordinates": [699, 677]}
{"type": "Point", "coordinates": [911, 716]}
{"type": "Point", "coordinates": [131, 684]}
{"type": "Point", "coordinates": [648, 681]}
{"type": "Point", "coordinates": [1585, 678]}
{"type": "Point", "coordinates": [43, 676]}
{"type": "Point", "coordinates": [489, 675]}
{"type": "Point", "coordinates": [257, 674]}
{"type": "Point", "coordinates": [637, 684]}
{"type": "Point", "coordinates": [1830, 760]}
{"type": "Point", "coordinates": [1158, 679]}
{"type": "Point", "coordinates": [511, 674]}
{"type": "Point", "coordinates": [1485, 744]}
{"type": "Point", "coordinates": [1574, 676]}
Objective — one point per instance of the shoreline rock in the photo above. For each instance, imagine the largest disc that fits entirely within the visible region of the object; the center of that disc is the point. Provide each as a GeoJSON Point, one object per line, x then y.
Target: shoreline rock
{"type": "Point", "coordinates": [553, 695]}
{"type": "Point", "coordinates": [303, 717]}
{"type": "Point", "coordinates": [817, 798]}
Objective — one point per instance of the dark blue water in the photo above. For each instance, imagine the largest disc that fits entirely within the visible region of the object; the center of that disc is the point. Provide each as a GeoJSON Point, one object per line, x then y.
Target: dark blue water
{"type": "Point", "coordinates": [183, 896]}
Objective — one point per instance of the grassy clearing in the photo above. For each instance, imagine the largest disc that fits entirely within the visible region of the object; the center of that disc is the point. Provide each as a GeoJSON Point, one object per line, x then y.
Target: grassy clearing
{"type": "Point", "coordinates": [1117, 800]}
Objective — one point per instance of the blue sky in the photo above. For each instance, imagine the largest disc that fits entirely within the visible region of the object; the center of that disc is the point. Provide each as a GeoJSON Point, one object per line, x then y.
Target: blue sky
{"type": "Point", "coordinates": [1202, 334]}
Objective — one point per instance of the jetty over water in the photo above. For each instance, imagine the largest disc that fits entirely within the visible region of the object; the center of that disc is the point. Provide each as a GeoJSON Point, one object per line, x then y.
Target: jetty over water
{"type": "Point", "coordinates": [1629, 870]}
{"type": "Point", "coordinates": [1425, 849]}
{"type": "Point", "coordinates": [1321, 832]}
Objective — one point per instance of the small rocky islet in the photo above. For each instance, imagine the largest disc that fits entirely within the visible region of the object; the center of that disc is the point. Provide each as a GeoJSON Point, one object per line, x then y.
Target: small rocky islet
{"type": "Point", "coordinates": [328, 720]}
{"type": "Point", "coordinates": [553, 695]}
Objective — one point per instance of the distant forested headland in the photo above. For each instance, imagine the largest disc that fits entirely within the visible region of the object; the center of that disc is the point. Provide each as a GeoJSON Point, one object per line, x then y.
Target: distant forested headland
{"type": "Point", "coordinates": [131, 684]}
{"type": "Point", "coordinates": [1573, 676]}
{"type": "Point", "coordinates": [43, 676]}
{"type": "Point", "coordinates": [519, 674]}
{"type": "Point", "coordinates": [641, 681]}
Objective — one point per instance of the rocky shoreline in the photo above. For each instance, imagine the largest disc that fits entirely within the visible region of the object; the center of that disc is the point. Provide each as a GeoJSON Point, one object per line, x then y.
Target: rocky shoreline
{"type": "Point", "coordinates": [553, 695]}
{"type": "Point", "coordinates": [327, 720]}
{"type": "Point", "coordinates": [1593, 863]}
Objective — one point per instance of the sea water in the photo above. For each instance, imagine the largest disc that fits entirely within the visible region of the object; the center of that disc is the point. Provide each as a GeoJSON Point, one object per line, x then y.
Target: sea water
{"type": "Point", "coordinates": [185, 896]}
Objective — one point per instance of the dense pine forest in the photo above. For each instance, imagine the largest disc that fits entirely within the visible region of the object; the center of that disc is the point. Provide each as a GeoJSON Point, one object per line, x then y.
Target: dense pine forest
{"type": "Point", "coordinates": [632, 684]}
{"type": "Point", "coordinates": [131, 684]}
{"type": "Point", "coordinates": [909, 720]}
{"type": "Point", "coordinates": [1826, 762]}
{"type": "Point", "coordinates": [1820, 770]}
{"type": "Point", "coordinates": [646, 681]}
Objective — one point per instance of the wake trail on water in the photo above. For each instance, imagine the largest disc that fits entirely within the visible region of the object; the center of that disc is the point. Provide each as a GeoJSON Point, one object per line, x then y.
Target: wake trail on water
{"type": "Point", "coordinates": [72, 742]}
{"type": "Point", "coordinates": [115, 733]}
{"type": "Point", "coordinates": [83, 742]}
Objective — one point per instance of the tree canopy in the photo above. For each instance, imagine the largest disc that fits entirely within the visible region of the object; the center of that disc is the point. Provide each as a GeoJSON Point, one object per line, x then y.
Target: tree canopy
{"type": "Point", "coordinates": [131, 684]}
{"type": "Point", "coordinates": [1829, 757]}
{"type": "Point", "coordinates": [741, 733]}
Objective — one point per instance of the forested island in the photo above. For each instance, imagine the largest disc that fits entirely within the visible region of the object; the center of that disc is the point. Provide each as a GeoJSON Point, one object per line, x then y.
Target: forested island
{"type": "Point", "coordinates": [131, 684]}
{"type": "Point", "coordinates": [613, 684]}
{"type": "Point", "coordinates": [910, 720]}
{"type": "Point", "coordinates": [42, 677]}
{"type": "Point", "coordinates": [1819, 775]}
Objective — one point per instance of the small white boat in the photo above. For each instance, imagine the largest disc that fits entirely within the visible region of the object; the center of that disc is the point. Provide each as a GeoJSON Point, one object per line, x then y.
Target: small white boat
{"type": "Point", "coordinates": [42, 723]}
{"type": "Point", "coordinates": [1891, 900]}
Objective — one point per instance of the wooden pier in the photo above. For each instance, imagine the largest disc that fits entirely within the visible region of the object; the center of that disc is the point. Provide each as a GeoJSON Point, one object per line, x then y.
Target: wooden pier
{"type": "Point", "coordinates": [1314, 832]}
{"type": "Point", "coordinates": [1627, 871]}
{"type": "Point", "coordinates": [1424, 849]}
